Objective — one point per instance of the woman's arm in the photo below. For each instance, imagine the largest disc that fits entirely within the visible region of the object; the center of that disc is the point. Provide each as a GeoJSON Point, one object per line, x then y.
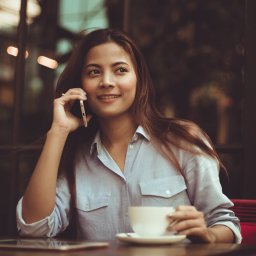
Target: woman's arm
{"type": "Point", "coordinates": [209, 219]}
{"type": "Point", "coordinates": [191, 223]}
{"type": "Point", "coordinates": [221, 234]}
{"type": "Point", "coordinates": [39, 197]}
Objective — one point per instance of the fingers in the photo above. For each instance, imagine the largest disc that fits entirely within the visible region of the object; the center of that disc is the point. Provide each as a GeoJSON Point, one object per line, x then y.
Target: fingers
{"type": "Point", "coordinates": [186, 208]}
{"type": "Point", "coordinates": [186, 212]}
{"type": "Point", "coordinates": [73, 94]}
{"type": "Point", "coordinates": [68, 98]}
{"type": "Point", "coordinates": [187, 220]}
{"type": "Point", "coordinates": [172, 223]}
{"type": "Point", "coordinates": [185, 225]}
{"type": "Point", "coordinates": [62, 116]}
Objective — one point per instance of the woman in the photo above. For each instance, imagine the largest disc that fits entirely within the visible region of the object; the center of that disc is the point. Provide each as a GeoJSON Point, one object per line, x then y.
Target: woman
{"type": "Point", "coordinates": [128, 155]}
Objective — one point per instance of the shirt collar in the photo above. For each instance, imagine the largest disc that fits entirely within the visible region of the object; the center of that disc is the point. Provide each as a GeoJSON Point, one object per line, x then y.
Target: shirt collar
{"type": "Point", "coordinates": [140, 130]}
{"type": "Point", "coordinates": [97, 144]}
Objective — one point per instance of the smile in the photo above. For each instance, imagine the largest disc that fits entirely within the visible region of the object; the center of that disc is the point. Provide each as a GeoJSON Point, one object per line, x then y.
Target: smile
{"type": "Point", "coordinates": [106, 97]}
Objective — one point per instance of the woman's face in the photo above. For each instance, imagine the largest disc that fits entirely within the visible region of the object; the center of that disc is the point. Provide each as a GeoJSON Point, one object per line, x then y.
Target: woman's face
{"type": "Point", "coordinates": [109, 80]}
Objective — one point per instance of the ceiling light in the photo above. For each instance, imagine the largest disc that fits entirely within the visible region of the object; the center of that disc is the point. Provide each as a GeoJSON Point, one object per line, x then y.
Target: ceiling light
{"type": "Point", "coordinates": [47, 62]}
{"type": "Point", "coordinates": [14, 51]}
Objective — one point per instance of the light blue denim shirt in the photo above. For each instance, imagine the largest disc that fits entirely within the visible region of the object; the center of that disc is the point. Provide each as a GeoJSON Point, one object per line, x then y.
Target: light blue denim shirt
{"type": "Point", "coordinates": [104, 192]}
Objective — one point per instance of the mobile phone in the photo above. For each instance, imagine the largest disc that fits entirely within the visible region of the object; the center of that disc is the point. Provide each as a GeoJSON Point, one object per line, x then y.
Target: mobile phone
{"type": "Point", "coordinates": [83, 113]}
{"type": "Point", "coordinates": [80, 109]}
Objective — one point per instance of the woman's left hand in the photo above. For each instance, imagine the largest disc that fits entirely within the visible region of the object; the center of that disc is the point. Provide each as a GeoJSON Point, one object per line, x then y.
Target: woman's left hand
{"type": "Point", "coordinates": [187, 220]}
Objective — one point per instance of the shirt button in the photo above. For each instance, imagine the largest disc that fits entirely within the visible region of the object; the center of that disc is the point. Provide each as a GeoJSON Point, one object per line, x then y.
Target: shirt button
{"type": "Point", "coordinates": [167, 192]}
{"type": "Point", "coordinates": [131, 146]}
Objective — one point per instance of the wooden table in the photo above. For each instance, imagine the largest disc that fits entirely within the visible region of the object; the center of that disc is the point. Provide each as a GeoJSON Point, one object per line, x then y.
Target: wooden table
{"type": "Point", "coordinates": [121, 249]}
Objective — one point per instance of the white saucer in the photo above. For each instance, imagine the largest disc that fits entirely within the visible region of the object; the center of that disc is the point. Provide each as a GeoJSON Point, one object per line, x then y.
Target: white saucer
{"type": "Point", "coordinates": [134, 238]}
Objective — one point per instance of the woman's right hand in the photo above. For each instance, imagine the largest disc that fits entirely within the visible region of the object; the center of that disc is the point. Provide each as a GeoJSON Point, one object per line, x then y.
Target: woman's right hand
{"type": "Point", "coordinates": [62, 117]}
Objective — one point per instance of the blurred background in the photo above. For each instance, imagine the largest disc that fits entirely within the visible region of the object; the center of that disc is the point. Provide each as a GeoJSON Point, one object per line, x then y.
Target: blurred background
{"type": "Point", "coordinates": [200, 53]}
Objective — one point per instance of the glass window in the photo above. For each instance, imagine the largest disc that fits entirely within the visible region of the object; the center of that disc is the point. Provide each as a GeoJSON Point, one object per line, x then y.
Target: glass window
{"type": "Point", "coordinates": [195, 53]}
{"type": "Point", "coordinates": [52, 28]}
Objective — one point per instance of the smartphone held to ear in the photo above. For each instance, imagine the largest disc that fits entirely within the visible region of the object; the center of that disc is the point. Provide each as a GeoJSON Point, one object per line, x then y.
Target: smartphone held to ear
{"type": "Point", "coordinates": [83, 113]}
{"type": "Point", "coordinates": [81, 108]}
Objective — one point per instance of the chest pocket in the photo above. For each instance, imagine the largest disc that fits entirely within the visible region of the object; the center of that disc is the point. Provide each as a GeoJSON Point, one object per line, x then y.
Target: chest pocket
{"type": "Point", "coordinates": [170, 191]}
{"type": "Point", "coordinates": [92, 202]}
{"type": "Point", "coordinates": [92, 213]}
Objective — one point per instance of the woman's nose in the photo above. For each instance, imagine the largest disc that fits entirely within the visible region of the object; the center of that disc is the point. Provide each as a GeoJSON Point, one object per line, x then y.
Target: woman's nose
{"type": "Point", "coordinates": [107, 81]}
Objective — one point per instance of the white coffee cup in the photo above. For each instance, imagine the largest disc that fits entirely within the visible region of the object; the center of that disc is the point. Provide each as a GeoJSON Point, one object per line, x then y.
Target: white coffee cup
{"type": "Point", "coordinates": [149, 221]}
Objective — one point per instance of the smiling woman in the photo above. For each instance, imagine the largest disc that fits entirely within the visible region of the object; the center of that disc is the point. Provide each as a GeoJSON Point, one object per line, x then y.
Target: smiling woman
{"type": "Point", "coordinates": [129, 154]}
{"type": "Point", "coordinates": [109, 80]}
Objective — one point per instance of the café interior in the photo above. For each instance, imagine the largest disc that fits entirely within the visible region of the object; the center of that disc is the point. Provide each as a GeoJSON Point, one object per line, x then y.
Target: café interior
{"type": "Point", "coordinates": [202, 58]}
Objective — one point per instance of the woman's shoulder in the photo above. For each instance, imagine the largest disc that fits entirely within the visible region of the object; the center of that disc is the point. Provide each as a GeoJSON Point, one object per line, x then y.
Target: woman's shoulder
{"type": "Point", "coordinates": [185, 125]}
{"type": "Point", "coordinates": [188, 139]}
{"type": "Point", "coordinates": [186, 134]}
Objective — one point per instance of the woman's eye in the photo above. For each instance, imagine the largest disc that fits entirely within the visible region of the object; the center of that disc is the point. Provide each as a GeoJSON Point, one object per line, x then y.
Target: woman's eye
{"type": "Point", "coordinates": [122, 70]}
{"type": "Point", "coordinates": [93, 72]}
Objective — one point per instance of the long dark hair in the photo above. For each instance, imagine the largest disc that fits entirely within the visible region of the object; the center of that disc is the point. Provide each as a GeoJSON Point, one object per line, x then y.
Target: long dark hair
{"type": "Point", "coordinates": [165, 132]}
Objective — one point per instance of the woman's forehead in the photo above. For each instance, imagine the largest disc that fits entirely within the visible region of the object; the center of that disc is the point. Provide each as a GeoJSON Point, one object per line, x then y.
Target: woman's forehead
{"type": "Point", "coordinates": [107, 51]}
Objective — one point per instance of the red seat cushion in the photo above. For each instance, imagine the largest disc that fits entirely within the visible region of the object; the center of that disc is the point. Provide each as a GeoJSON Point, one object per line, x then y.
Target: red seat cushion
{"type": "Point", "coordinates": [248, 230]}
{"type": "Point", "coordinates": [245, 210]}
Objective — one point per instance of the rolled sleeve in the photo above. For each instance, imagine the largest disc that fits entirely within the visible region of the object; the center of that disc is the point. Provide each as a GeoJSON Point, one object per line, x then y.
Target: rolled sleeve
{"type": "Point", "coordinates": [39, 228]}
{"type": "Point", "coordinates": [226, 217]}
{"type": "Point", "coordinates": [206, 194]}
{"type": "Point", "coordinates": [235, 229]}
{"type": "Point", "coordinates": [51, 225]}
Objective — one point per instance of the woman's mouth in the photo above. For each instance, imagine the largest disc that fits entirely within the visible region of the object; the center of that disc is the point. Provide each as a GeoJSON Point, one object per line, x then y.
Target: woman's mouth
{"type": "Point", "coordinates": [108, 96]}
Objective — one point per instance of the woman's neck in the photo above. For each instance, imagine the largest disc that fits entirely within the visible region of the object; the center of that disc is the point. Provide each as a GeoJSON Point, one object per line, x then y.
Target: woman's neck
{"type": "Point", "coordinates": [118, 130]}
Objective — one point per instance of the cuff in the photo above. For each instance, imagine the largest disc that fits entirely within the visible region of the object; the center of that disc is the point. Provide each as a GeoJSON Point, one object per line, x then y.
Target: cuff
{"type": "Point", "coordinates": [35, 229]}
{"type": "Point", "coordinates": [235, 229]}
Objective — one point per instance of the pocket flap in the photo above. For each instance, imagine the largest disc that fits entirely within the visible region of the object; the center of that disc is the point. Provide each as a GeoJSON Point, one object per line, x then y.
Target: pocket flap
{"type": "Point", "coordinates": [164, 187]}
{"type": "Point", "coordinates": [92, 202]}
